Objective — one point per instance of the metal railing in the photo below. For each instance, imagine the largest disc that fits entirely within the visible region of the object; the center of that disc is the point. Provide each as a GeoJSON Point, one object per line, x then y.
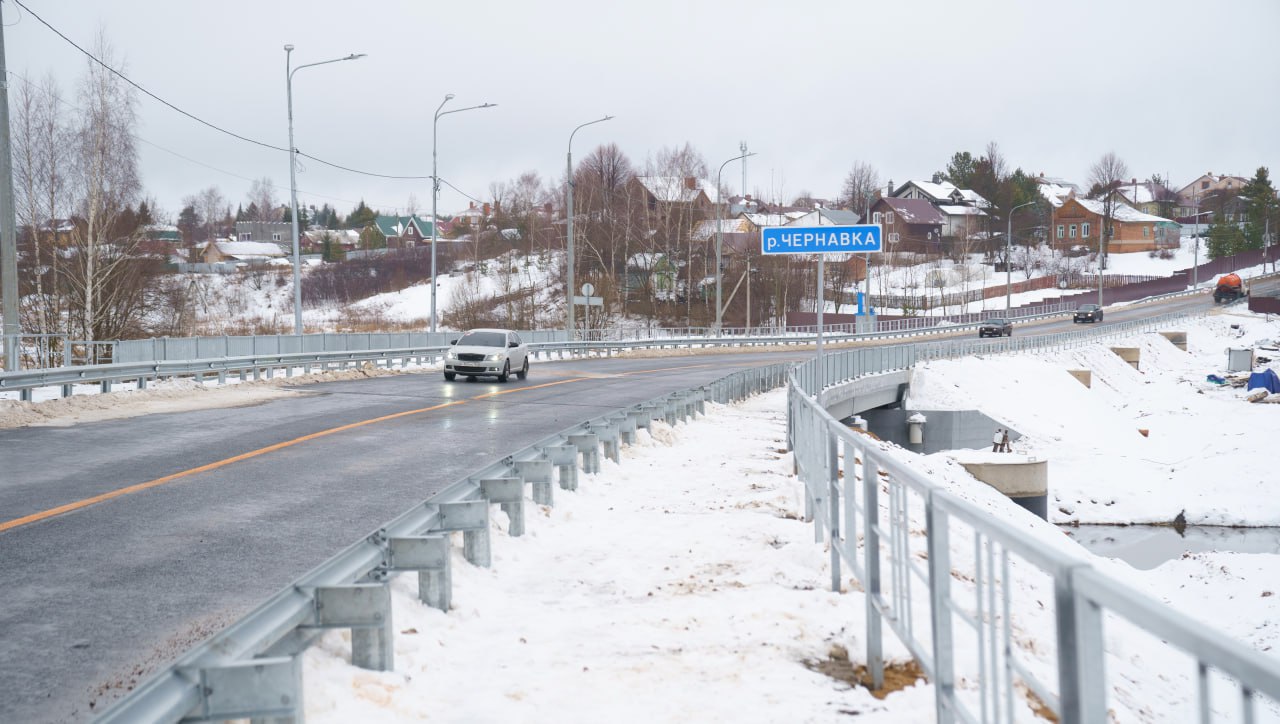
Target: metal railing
{"type": "Point", "coordinates": [846, 474]}
{"type": "Point", "coordinates": [252, 669]}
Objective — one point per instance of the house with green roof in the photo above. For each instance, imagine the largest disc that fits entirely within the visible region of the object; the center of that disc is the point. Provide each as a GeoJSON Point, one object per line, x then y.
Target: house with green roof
{"type": "Point", "coordinates": [404, 232]}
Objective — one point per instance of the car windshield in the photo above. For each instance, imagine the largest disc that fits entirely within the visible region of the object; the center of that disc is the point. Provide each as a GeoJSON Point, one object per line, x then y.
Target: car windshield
{"type": "Point", "coordinates": [1088, 308]}
{"type": "Point", "coordinates": [997, 320]}
{"type": "Point", "coordinates": [483, 339]}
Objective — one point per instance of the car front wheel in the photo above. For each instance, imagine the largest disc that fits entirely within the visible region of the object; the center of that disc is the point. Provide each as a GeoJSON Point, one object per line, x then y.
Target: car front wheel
{"type": "Point", "coordinates": [449, 376]}
{"type": "Point", "coordinates": [506, 371]}
{"type": "Point", "coordinates": [524, 370]}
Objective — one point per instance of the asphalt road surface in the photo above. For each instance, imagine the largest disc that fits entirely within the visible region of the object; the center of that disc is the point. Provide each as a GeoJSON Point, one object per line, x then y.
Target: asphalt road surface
{"type": "Point", "coordinates": [238, 502]}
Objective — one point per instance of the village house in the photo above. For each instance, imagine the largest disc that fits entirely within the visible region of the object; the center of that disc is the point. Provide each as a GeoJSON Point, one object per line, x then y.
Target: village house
{"type": "Point", "coordinates": [277, 231]}
{"type": "Point", "coordinates": [238, 251]}
{"type": "Point", "coordinates": [404, 232]}
{"type": "Point", "coordinates": [1078, 222]}
{"type": "Point", "coordinates": [667, 195]}
{"type": "Point", "coordinates": [1208, 185]}
{"type": "Point", "coordinates": [964, 211]}
{"type": "Point", "coordinates": [909, 224]}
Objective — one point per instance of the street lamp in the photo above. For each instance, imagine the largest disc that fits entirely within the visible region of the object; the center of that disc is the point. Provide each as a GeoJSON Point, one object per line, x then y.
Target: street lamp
{"type": "Point", "coordinates": [720, 236]}
{"type": "Point", "coordinates": [1195, 265]}
{"type": "Point", "coordinates": [1008, 258]}
{"type": "Point", "coordinates": [293, 179]}
{"type": "Point", "coordinates": [568, 290]}
{"type": "Point", "coordinates": [435, 193]}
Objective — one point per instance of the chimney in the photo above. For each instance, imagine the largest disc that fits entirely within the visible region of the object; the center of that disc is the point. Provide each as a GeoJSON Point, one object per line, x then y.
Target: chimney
{"type": "Point", "coordinates": [690, 182]}
{"type": "Point", "coordinates": [487, 210]}
{"type": "Point", "coordinates": [471, 205]}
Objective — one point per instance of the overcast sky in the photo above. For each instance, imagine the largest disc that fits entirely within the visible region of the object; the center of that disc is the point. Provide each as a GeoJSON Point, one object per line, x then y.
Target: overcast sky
{"type": "Point", "coordinates": [1174, 87]}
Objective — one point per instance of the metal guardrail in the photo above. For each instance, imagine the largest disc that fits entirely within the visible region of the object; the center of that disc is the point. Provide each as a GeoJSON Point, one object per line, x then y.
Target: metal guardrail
{"type": "Point", "coordinates": [846, 473]}
{"type": "Point", "coordinates": [268, 363]}
{"type": "Point", "coordinates": [252, 669]}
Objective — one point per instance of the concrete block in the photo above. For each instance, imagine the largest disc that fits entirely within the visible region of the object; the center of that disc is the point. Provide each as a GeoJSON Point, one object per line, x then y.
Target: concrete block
{"type": "Point", "coordinates": [1128, 354]}
{"type": "Point", "coordinates": [1084, 376]}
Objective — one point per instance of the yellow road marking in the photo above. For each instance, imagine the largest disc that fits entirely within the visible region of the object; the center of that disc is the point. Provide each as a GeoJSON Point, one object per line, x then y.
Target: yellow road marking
{"type": "Point", "coordinates": [77, 505]}
{"type": "Point", "coordinates": [46, 514]}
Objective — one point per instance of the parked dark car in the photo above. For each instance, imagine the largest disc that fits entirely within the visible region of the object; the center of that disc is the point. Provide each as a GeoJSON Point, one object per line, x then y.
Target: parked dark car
{"type": "Point", "coordinates": [995, 327]}
{"type": "Point", "coordinates": [1087, 313]}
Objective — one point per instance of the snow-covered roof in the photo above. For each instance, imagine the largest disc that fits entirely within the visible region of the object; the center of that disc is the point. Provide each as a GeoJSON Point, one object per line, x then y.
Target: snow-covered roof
{"type": "Point", "coordinates": [1122, 212]}
{"type": "Point", "coordinates": [915, 211]}
{"type": "Point", "coordinates": [707, 228]}
{"type": "Point", "coordinates": [762, 220]}
{"type": "Point", "coordinates": [961, 210]}
{"type": "Point", "coordinates": [975, 198]}
{"type": "Point", "coordinates": [937, 191]}
{"type": "Point", "coordinates": [250, 249]}
{"type": "Point", "coordinates": [827, 217]}
{"type": "Point", "coordinates": [1055, 194]}
{"type": "Point", "coordinates": [675, 189]}
{"type": "Point", "coordinates": [647, 260]}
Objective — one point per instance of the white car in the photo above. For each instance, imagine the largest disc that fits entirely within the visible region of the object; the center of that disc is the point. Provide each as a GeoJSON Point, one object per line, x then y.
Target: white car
{"type": "Point", "coordinates": [489, 353]}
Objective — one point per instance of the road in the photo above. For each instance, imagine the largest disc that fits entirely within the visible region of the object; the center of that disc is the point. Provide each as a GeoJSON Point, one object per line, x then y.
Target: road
{"type": "Point", "coordinates": [215, 510]}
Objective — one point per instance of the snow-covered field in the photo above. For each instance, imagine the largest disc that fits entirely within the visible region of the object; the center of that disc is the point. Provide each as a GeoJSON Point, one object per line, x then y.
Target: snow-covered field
{"type": "Point", "coordinates": [682, 586]}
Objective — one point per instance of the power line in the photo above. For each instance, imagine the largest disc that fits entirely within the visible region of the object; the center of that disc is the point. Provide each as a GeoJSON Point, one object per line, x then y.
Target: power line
{"type": "Point", "coordinates": [196, 118]}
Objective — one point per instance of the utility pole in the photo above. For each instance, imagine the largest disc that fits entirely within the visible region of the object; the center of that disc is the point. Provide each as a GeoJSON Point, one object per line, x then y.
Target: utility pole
{"type": "Point", "coordinates": [8, 224]}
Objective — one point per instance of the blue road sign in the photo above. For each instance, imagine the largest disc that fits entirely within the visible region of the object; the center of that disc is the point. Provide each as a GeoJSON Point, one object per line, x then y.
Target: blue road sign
{"type": "Point", "coordinates": [821, 239]}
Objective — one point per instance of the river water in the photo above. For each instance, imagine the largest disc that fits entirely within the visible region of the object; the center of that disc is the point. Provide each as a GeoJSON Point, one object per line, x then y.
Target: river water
{"type": "Point", "coordinates": [1146, 547]}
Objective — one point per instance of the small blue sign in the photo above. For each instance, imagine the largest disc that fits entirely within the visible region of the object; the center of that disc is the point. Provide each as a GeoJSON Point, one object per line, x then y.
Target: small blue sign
{"type": "Point", "coordinates": [821, 239]}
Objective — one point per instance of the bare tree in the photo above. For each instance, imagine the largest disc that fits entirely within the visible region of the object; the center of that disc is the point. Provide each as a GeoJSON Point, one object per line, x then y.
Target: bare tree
{"type": "Point", "coordinates": [1105, 176]}
{"type": "Point", "coordinates": [860, 186]}
{"type": "Point", "coordinates": [41, 147]}
{"type": "Point", "coordinates": [106, 181]}
{"type": "Point", "coordinates": [211, 205]}
{"type": "Point", "coordinates": [262, 201]}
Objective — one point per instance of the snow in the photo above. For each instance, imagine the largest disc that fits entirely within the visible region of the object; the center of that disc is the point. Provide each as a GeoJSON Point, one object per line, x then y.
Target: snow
{"type": "Point", "coordinates": [681, 585]}
{"type": "Point", "coordinates": [1121, 212]}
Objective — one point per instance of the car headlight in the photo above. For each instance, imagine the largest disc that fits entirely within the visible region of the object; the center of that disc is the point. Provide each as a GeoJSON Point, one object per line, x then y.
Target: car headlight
{"type": "Point", "coordinates": [451, 355]}
{"type": "Point", "coordinates": [496, 357]}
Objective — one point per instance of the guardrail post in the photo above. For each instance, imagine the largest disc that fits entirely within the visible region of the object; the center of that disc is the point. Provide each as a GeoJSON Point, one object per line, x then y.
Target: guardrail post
{"type": "Point", "coordinates": [104, 386]}
{"type": "Point", "coordinates": [589, 445]}
{"type": "Point", "coordinates": [833, 498]}
{"type": "Point", "coordinates": [365, 608]}
{"type": "Point", "coordinates": [66, 392]}
{"type": "Point", "coordinates": [627, 427]}
{"type": "Point", "coordinates": [871, 564]}
{"type": "Point", "coordinates": [565, 458]}
{"type": "Point", "coordinates": [428, 555]}
{"type": "Point", "coordinates": [472, 518]}
{"type": "Point", "coordinates": [538, 473]}
{"type": "Point", "coordinates": [608, 434]}
{"type": "Point", "coordinates": [509, 494]}
{"type": "Point", "coordinates": [944, 675]}
{"type": "Point", "coordinates": [263, 690]}
{"type": "Point", "coordinates": [1082, 679]}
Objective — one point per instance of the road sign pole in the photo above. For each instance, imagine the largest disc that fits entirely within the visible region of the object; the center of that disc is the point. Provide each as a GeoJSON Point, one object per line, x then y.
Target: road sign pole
{"type": "Point", "coordinates": [821, 303]}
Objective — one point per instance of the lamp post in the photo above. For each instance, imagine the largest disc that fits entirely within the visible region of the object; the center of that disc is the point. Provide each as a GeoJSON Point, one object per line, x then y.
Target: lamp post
{"type": "Point", "coordinates": [1195, 265]}
{"type": "Point", "coordinates": [720, 236]}
{"type": "Point", "coordinates": [1008, 258]}
{"type": "Point", "coordinates": [435, 193]}
{"type": "Point", "coordinates": [293, 179]}
{"type": "Point", "coordinates": [568, 215]}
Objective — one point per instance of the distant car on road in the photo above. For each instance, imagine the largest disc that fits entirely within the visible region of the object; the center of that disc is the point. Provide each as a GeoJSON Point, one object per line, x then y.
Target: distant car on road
{"type": "Point", "coordinates": [1087, 313]}
{"type": "Point", "coordinates": [487, 353]}
{"type": "Point", "coordinates": [996, 327]}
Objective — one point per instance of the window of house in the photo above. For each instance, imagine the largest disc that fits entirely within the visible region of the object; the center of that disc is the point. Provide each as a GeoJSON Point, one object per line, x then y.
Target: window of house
{"type": "Point", "coordinates": [888, 217]}
{"type": "Point", "coordinates": [877, 218]}
{"type": "Point", "coordinates": [1204, 185]}
{"type": "Point", "coordinates": [1073, 231]}
{"type": "Point", "coordinates": [1145, 231]}
{"type": "Point", "coordinates": [245, 236]}
{"type": "Point", "coordinates": [1084, 230]}
{"type": "Point", "coordinates": [1060, 230]}
{"type": "Point", "coordinates": [275, 237]}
